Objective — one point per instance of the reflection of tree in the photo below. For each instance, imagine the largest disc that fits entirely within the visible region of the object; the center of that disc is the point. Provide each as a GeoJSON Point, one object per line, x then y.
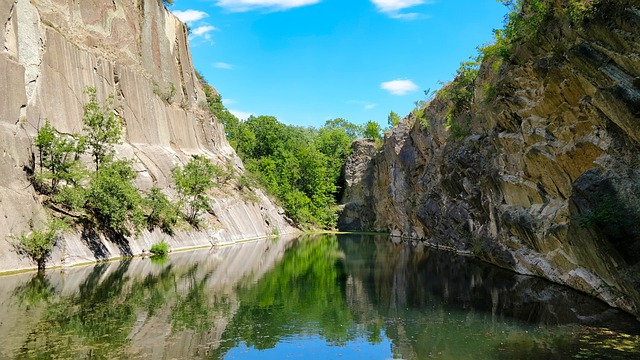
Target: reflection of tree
{"type": "Point", "coordinates": [96, 322]}
{"type": "Point", "coordinates": [195, 310]}
{"type": "Point", "coordinates": [37, 290]}
{"type": "Point", "coordinates": [303, 294]}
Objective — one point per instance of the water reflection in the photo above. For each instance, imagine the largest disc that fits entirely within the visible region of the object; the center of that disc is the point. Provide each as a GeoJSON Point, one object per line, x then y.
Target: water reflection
{"type": "Point", "coordinates": [324, 296]}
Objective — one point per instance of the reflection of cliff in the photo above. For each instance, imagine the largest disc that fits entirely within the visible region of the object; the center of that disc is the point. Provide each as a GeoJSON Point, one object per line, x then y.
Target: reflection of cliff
{"type": "Point", "coordinates": [138, 52]}
{"type": "Point", "coordinates": [405, 276]}
{"type": "Point", "coordinates": [135, 307]}
{"type": "Point", "coordinates": [432, 302]}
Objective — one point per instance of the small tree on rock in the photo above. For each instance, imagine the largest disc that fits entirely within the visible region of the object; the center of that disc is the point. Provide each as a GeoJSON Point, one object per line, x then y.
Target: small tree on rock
{"type": "Point", "coordinates": [372, 131]}
{"type": "Point", "coordinates": [38, 244]}
{"type": "Point", "coordinates": [102, 126]}
{"type": "Point", "coordinates": [59, 154]}
{"type": "Point", "coordinates": [192, 183]}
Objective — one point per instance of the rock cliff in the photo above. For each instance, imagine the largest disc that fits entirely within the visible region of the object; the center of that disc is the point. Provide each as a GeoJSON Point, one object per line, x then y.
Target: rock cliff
{"type": "Point", "coordinates": [137, 51]}
{"type": "Point", "coordinates": [540, 174]}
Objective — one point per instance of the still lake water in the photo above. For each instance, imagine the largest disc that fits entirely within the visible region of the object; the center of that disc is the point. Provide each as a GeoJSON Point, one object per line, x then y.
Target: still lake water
{"type": "Point", "coordinates": [319, 297]}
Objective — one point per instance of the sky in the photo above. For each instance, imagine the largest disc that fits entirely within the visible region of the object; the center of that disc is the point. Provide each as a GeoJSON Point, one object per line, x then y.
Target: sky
{"type": "Point", "coordinates": [307, 61]}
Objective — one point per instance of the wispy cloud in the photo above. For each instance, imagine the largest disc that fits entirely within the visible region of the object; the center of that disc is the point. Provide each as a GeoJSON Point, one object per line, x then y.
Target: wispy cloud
{"type": "Point", "coordinates": [399, 86]}
{"type": "Point", "coordinates": [190, 16]}
{"type": "Point", "coordinates": [203, 31]}
{"type": "Point", "coordinates": [242, 115]}
{"type": "Point", "coordinates": [393, 8]}
{"type": "Point", "coordinates": [223, 65]}
{"type": "Point", "coordinates": [274, 5]}
{"type": "Point", "coordinates": [228, 101]}
{"type": "Point", "coordinates": [365, 104]}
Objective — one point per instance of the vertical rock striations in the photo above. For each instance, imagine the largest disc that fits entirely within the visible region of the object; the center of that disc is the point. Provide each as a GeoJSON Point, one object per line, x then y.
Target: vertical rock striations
{"type": "Point", "coordinates": [541, 174]}
{"type": "Point", "coordinates": [137, 51]}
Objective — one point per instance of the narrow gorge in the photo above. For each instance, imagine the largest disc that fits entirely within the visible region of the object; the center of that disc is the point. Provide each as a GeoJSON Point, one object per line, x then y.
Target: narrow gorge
{"type": "Point", "coordinates": [538, 172]}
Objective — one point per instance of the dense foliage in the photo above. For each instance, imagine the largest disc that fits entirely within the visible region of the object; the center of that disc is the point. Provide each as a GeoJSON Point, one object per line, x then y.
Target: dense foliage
{"type": "Point", "coordinates": [300, 166]}
{"type": "Point", "coordinates": [113, 198]}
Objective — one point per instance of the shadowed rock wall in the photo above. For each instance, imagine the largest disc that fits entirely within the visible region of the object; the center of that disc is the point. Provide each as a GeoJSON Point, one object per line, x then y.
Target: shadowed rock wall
{"type": "Point", "coordinates": [542, 175]}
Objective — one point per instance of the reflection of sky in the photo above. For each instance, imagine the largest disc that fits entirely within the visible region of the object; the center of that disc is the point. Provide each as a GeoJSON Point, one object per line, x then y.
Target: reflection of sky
{"type": "Point", "coordinates": [315, 347]}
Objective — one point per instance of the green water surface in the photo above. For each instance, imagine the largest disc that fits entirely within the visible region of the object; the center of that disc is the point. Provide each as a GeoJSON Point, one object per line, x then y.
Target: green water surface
{"type": "Point", "coordinates": [326, 296]}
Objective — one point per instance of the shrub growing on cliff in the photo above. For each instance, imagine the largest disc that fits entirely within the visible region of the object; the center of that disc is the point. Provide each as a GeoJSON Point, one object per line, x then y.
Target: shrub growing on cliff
{"type": "Point", "coordinates": [38, 244]}
{"type": "Point", "coordinates": [160, 249]}
{"type": "Point", "coordinates": [102, 126]}
{"type": "Point", "coordinates": [192, 183]}
{"type": "Point", "coordinates": [113, 199]}
{"type": "Point", "coordinates": [372, 130]}
{"type": "Point", "coordinates": [59, 155]}
{"type": "Point", "coordinates": [162, 212]}
{"type": "Point", "coordinates": [461, 90]}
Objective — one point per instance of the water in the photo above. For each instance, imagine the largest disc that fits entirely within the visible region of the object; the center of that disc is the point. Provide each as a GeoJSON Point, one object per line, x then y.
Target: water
{"type": "Point", "coordinates": [345, 297]}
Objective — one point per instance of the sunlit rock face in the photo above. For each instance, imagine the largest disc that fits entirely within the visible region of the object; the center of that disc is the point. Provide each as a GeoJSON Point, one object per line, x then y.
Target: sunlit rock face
{"type": "Point", "coordinates": [138, 52]}
{"type": "Point", "coordinates": [544, 179]}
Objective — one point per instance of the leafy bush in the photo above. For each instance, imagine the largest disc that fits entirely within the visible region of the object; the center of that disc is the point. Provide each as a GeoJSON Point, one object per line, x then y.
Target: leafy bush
{"type": "Point", "coordinates": [59, 155]}
{"type": "Point", "coordinates": [393, 119]}
{"type": "Point", "coordinates": [38, 244]}
{"type": "Point", "coordinates": [580, 10]}
{"type": "Point", "coordinates": [72, 197]}
{"type": "Point", "coordinates": [525, 19]}
{"type": "Point", "coordinates": [192, 183]}
{"type": "Point", "coordinates": [372, 130]}
{"type": "Point", "coordinates": [160, 249]}
{"type": "Point", "coordinates": [114, 200]}
{"type": "Point", "coordinates": [461, 90]}
{"type": "Point", "coordinates": [162, 212]}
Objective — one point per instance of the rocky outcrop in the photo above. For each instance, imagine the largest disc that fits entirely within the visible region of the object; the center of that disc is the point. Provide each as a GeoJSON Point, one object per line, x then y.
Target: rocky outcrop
{"type": "Point", "coordinates": [540, 175]}
{"type": "Point", "coordinates": [137, 51]}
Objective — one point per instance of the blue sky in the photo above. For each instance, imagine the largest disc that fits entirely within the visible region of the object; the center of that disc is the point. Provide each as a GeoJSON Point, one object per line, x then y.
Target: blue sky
{"type": "Point", "coordinates": [306, 61]}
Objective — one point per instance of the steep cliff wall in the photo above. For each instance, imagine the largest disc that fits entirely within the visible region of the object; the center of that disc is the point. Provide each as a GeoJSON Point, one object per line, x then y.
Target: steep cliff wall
{"type": "Point", "coordinates": [541, 174]}
{"type": "Point", "coordinates": [138, 51]}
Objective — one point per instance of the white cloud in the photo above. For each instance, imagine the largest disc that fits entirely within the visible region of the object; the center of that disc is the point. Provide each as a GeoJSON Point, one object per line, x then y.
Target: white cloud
{"type": "Point", "coordinates": [190, 16]}
{"type": "Point", "coordinates": [223, 65]}
{"type": "Point", "coordinates": [393, 7]}
{"type": "Point", "coordinates": [242, 115]}
{"type": "Point", "coordinates": [203, 31]}
{"type": "Point", "coordinates": [247, 5]}
{"type": "Point", "coordinates": [399, 86]}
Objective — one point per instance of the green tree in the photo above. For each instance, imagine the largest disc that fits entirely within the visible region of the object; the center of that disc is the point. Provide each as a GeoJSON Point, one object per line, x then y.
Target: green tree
{"type": "Point", "coordinates": [38, 244]}
{"type": "Point", "coordinates": [103, 127]}
{"type": "Point", "coordinates": [162, 212]}
{"type": "Point", "coordinates": [393, 119]}
{"type": "Point", "coordinates": [352, 130]}
{"type": "Point", "coordinates": [192, 183]}
{"type": "Point", "coordinates": [59, 154]}
{"type": "Point", "coordinates": [114, 200]}
{"type": "Point", "coordinates": [372, 130]}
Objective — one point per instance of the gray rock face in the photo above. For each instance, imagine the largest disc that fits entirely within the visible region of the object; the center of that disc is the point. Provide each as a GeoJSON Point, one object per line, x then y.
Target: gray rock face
{"type": "Point", "coordinates": [138, 51]}
{"type": "Point", "coordinates": [544, 179]}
